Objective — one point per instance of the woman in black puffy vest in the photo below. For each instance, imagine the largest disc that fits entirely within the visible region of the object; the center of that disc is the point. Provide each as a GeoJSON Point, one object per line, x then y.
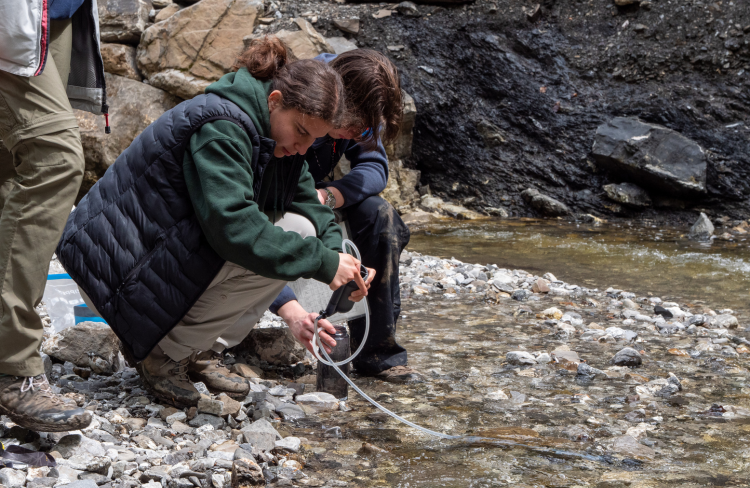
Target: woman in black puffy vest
{"type": "Point", "coordinates": [200, 222]}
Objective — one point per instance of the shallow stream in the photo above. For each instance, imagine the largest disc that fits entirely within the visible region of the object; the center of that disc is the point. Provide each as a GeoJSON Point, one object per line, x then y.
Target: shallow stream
{"type": "Point", "coordinates": [617, 430]}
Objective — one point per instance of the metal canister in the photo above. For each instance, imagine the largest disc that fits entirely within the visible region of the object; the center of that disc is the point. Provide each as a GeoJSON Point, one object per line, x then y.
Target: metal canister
{"type": "Point", "coordinates": [329, 380]}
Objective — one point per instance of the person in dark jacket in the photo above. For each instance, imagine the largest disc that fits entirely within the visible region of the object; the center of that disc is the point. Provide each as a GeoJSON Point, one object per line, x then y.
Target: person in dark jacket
{"type": "Point", "coordinates": [259, 218]}
{"type": "Point", "coordinates": [374, 115]}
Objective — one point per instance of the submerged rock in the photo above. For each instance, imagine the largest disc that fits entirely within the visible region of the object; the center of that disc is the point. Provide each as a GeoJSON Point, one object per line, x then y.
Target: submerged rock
{"type": "Point", "coordinates": [655, 156]}
{"type": "Point", "coordinates": [702, 229]}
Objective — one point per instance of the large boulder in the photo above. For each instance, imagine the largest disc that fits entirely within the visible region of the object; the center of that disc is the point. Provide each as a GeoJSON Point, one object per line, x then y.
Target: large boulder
{"type": "Point", "coordinates": [401, 189]}
{"type": "Point", "coordinates": [119, 59]}
{"type": "Point", "coordinates": [197, 45]}
{"type": "Point", "coordinates": [123, 20]}
{"type": "Point", "coordinates": [133, 106]}
{"type": "Point", "coordinates": [548, 206]}
{"type": "Point", "coordinates": [306, 43]}
{"type": "Point", "coordinates": [88, 344]}
{"type": "Point", "coordinates": [654, 156]}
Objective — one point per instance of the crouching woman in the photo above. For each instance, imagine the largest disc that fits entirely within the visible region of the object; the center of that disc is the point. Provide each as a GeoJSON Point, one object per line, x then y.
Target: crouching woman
{"type": "Point", "coordinates": [201, 220]}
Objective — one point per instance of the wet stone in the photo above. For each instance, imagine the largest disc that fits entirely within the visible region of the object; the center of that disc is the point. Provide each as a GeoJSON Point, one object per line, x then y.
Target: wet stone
{"type": "Point", "coordinates": [627, 357]}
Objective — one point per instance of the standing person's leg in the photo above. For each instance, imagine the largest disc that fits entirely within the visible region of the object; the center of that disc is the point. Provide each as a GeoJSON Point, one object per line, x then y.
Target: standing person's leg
{"type": "Point", "coordinates": [222, 315]}
{"type": "Point", "coordinates": [39, 183]}
{"type": "Point", "coordinates": [380, 235]}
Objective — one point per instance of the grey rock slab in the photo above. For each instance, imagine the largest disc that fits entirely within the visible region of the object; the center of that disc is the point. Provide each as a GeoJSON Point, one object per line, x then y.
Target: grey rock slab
{"type": "Point", "coordinates": [655, 156]}
{"type": "Point", "coordinates": [350, 26]}
{"type": "Point", "coordinates": [702, 229]}
{"type": "Point", "coordinates": [203, 419]}
{"type": "Point", "coordinates": [341, 44]}
{"type": "Point", "coordinates": [262, 425]}
{"type": "Point", "coordinates": [628, 194]}
{"type": "Point", "coordinates": [289, 411]}
{"type": "Point", "coordinates": [318, 400]}
{"type": "Point", "coordinates": [289, 443]}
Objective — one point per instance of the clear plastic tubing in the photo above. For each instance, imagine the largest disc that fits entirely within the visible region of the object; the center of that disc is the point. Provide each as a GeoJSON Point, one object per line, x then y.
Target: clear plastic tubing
{"type": "Point", "coordinates": [318, 347]}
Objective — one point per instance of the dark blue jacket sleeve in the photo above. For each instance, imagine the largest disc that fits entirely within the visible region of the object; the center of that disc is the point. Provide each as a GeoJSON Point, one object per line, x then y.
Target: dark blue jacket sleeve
{"type": "Point", "coordinates": [286, 296]}
{"type": "Point", "coordinates": [368, 177]}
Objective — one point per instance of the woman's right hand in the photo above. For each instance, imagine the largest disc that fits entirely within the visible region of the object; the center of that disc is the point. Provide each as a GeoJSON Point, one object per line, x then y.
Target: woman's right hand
{"type": "Point", "coordinates": [348, 271]}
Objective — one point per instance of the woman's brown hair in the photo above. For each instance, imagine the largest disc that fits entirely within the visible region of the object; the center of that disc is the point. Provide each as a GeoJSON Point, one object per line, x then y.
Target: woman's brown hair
{"type": "Point", "coordinates": [311, 87]}
{"type": "Point", "coordinates": [373, 94]}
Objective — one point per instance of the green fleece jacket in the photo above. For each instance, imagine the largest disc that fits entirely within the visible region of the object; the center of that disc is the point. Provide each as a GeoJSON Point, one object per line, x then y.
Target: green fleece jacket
{"type": "Point", "coordinates": [219, 179]}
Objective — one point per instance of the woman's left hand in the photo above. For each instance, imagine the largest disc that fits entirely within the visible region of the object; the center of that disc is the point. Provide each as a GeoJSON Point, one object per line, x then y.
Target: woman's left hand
{"type": "Point", "coordinates": [358, 295]}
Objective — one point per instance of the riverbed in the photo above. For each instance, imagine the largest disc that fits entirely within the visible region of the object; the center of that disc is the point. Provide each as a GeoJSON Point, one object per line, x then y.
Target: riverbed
{"type": "Point", "coordinates": [681, 417]}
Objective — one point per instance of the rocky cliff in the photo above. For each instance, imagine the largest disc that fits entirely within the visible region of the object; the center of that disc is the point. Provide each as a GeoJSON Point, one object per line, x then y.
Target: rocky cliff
{"type": "Point", "coordinates": [506, 97]}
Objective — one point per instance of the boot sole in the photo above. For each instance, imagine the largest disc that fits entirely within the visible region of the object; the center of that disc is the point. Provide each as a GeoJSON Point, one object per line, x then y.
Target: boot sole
{"type": "Point", "coordinates": [217, 391]}
{"type": "Point", "coordinates": [34, 424]}
{"type": "Point", "coordinates": [160, 396]}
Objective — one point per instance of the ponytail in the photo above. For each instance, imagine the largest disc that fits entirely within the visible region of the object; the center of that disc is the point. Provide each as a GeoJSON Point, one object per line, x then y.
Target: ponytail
{"type": "Point", "coordinates": [311, 87]}
{"type": "Point", "coordinates": [263, 58]}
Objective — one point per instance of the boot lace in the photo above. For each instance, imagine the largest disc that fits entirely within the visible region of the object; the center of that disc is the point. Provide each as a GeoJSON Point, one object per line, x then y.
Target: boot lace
{"type": "Point", "coordinates": [181, 369]}
{"type": "Point", "coordinates": [41, 384]}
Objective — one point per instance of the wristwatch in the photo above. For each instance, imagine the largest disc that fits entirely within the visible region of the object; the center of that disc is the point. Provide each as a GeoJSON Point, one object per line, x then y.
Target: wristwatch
{"type": "Point", "coordinates": [330, 199]}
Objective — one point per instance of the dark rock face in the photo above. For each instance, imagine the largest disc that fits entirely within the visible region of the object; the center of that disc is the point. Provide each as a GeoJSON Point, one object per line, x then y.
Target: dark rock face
{"type": "Point", "coordinates": [652, 155]}
{"type": "Point", "coordinates": [506, 104]}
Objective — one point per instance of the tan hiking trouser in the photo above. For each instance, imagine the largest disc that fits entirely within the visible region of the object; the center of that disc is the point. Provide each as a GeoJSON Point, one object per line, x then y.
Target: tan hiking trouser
{"type": "Point", "coordinates": [231, 305]}
{"type": "Point", "coordinates": [41, 167]}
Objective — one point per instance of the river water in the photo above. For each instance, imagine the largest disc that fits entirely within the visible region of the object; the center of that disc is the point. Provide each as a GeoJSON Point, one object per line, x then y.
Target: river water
{"type": "Point", "coordinates": [642, 259]}
{"type": "Point", "coordinates": [550, 425]}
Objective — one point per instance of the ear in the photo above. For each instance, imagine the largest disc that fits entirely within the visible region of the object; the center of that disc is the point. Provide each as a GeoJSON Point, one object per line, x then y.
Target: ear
{"type": "Point", "coordinates": [275, 99]}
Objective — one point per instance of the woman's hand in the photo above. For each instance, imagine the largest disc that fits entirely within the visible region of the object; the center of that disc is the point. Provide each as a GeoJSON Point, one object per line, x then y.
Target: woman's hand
{"type": "Point", "coordinates": [348, 271]}
{"type": "Point", "coordinates": [302, 325]}
{"type": "Point", "coordinates": [358, 295]}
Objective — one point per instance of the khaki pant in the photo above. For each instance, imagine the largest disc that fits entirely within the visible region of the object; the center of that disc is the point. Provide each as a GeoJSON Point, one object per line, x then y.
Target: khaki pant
{"type": "Point", "coordinates": [231, 305]}
{"type": "Point", "coordinates": [41, 167]}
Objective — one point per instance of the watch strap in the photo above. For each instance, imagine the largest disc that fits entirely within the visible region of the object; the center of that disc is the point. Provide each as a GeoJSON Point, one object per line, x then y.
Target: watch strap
{"type": "Point", "coordinates": [330, 199]}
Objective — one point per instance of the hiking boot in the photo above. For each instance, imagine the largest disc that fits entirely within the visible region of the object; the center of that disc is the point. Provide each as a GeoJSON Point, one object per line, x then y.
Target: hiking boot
{"type": "Point", "coordinates": [400, 374]}
{"type": "Point", "coordinates": [209, 368]}
{"type": "Point", "coordinates": [168, 380]}
{"type": "Point", "coordinates": [31, 403]}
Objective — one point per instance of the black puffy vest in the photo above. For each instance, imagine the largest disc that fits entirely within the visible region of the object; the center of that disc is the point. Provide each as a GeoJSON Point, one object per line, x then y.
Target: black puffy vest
{"type": "Point", "coordinates": [134, 244]}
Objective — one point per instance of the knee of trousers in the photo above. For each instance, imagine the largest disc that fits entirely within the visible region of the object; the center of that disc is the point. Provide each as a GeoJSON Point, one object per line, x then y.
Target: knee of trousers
{"type": "Point", "coordinates": [292, 222]}
{"type": "Point", "coordinates": [63, 145]}
{"type": "Point", "coordinates": [385, 219]}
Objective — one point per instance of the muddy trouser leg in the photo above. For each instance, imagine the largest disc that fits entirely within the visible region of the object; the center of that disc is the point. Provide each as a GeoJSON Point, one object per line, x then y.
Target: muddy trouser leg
{"type": "Point", "coordinates": [231, 305]}
{"type": "Point", "coordinates": [41, 167]}
{"type": "Point", "coordinates": [380, 235]}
